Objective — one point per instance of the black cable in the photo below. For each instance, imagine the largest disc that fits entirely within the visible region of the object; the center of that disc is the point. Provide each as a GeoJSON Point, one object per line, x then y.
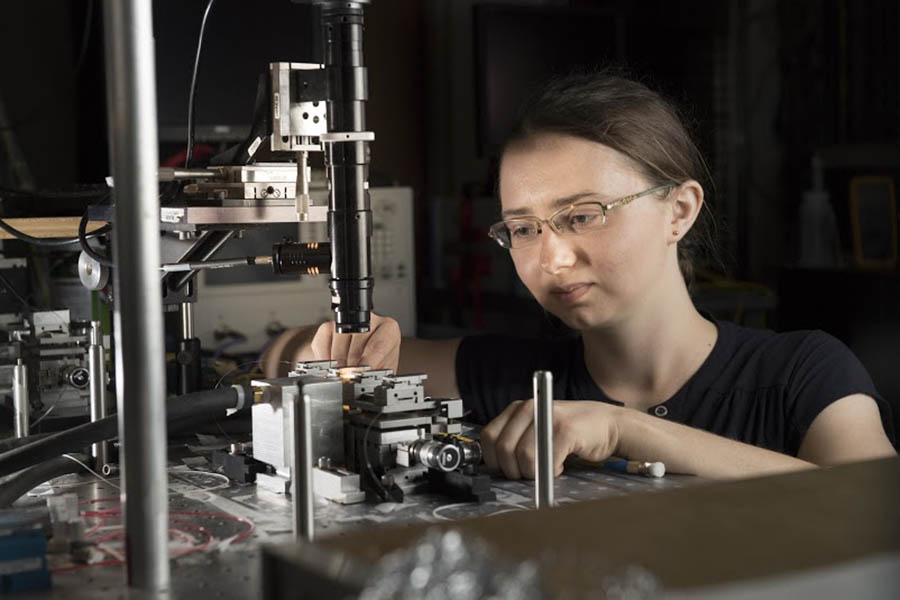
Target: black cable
{"type": "Point", "coordinates": [14, 442]}
{"type": "Point", "coordinates": [86, 248]}
{"type": "Point", "coordinates": [179, 408]}
{"type": "Point", "coordinates": [192, 99]}
{"type": "Point", "coordinates": [30, 478]}
{"type": "Point", "coordinates": [379, 489]}
{"type": "Point", "coordinates": [48, 242]}
{"type": "Point", "coordinates": [42, 110]}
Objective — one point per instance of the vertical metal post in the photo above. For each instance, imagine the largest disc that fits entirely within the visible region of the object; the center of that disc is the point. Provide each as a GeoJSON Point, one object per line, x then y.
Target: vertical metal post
{"type": "Point", "coordinates": [187, 320]}
{"type": "Point", "coordinates": [543, 439]}
{"type": "Point", "coordinates": [21, 404]}
{"type": "Point", "coordinates": [301, 470]}
{"type": "Point", "coordinates": [138, 315]}
{"type": "Point", "coordinates": [97, 368]}
{"type": "Point", "coordinates": [188, 357]}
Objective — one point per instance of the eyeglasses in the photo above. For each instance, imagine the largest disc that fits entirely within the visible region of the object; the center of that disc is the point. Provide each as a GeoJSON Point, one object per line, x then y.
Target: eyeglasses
{"type": "Point", "coordinates": [576, 218]}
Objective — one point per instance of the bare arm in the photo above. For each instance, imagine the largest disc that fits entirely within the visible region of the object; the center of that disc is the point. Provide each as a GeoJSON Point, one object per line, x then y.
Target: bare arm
{"type": "Point", "coordinates": [685, 449]}
{"type": "Point", "coordinates": [847, 430]}
{"type": "Point", "coordinates": [594, 431]}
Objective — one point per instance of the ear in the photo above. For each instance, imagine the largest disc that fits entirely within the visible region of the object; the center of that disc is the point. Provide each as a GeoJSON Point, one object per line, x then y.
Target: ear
{"type": "Point", "coordinates": [685, 203]}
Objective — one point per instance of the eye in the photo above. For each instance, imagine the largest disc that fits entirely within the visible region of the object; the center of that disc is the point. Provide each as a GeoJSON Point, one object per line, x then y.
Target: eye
{"type": "Point", "coordinates": [521, 230]}
{"type": "Point", "coordinates": [583, 218]}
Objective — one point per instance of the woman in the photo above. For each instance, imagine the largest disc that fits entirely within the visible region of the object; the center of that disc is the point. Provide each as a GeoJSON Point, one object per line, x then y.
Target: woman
{"type": "Point", "coordinates": [601, 211]}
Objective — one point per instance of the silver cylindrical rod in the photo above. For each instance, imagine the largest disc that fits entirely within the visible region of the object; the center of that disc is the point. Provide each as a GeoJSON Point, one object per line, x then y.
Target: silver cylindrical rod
{"type": "Point", "coordinates": [97, 368]}
{"type": "Point", "coordinates": [172, 174]}
{"type": "Point", "coordinates": [187, 320]}
{"type": "Point", "coordinates": [301, 192]}
{"type": "Point", "coordinates": [21, 405]}
{"type": "Point", "coordinates": [138, 311]}
{"type": "Point", "coordinates": [301, 471]}
{"type": "Point", "coordinates": [543, 439]}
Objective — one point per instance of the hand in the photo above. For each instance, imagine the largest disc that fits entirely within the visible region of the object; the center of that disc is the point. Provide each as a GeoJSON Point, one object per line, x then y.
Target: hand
{"type": "Point", "coordinates": [378, 348]}
{"type": "Point", "coordinates": [584, 428]}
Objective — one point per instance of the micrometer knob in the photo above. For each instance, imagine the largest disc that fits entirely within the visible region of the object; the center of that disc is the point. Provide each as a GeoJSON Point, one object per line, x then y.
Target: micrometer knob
{"type": "Point", "coordinates": [435, 455]}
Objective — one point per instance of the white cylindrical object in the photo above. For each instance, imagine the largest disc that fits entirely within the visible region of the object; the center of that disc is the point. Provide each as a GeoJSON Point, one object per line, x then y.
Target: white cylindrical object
{"type": "Point", "coordinates": [21, 406]}
{"type": "Point", "coordinates": [543, 439]}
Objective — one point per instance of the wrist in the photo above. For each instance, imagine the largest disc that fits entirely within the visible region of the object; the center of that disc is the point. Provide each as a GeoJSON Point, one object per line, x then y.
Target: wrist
{"type": "Point", "coordinates": [617, 426]}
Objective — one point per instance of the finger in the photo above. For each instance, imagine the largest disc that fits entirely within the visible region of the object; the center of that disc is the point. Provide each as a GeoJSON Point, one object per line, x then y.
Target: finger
{"type": "Point", "coordinates": [383, 347]}
{"type": "Point", "coordinates": [356, 349]}
{"type": "Point", "coordinates": [562, 447]}
{"type": "Point", "coordinates": [491, 432]}
{"type": "Point", "coordinates": [321, 343]}
{"type": "Point", "coordinates": [340, 347]}
{"type": "Point", "coordinates": [525, 453]}
{"type": "Point", "coordinates": [509, 438]}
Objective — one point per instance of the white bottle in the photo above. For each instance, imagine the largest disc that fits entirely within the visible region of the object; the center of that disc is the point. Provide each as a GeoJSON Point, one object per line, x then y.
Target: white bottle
{"type": "Point", "coordinates": [819, 241]}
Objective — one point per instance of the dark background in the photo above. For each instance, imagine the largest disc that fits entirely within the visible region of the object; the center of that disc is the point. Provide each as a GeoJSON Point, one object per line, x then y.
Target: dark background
{"type": "Point", "coordinates": [766, 85]}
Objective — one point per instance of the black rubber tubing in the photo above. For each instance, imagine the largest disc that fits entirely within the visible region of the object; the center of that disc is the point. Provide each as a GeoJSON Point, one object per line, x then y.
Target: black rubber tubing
{"type": "Point", "coordinates": [14, 442]}
{"type": "Point", "coordinates": [178, 409]}
{"type": "Point", "coordinates": [30, 478]}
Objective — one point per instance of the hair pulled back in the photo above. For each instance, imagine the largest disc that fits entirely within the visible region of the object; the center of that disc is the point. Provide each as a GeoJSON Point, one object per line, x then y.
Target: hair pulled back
{"type": "Point", "coordinates": [625, 115]}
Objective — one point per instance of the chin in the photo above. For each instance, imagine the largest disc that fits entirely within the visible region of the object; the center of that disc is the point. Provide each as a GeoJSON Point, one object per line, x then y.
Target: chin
{"type": "Point", "coordinates": [580, 318]}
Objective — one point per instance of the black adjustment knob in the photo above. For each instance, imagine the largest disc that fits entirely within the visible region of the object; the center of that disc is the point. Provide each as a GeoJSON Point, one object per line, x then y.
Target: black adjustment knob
{"type": "Point", "coordinates": [309, 258]}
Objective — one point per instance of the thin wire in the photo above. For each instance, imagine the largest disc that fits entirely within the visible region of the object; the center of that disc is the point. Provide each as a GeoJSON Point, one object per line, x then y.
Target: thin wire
{"type": "Point", "coordinates": [436, 511]}
{"type": "Point", "coordinates": [193, 97]}
{"type": "Point", "coordinates": [41, 418]}
{"type": "Point", "coordinates": [252, 362]}
{"type": "Point", "coordinates": [93, 472]}
{"type": "Point", "coordinates": [12, 290]}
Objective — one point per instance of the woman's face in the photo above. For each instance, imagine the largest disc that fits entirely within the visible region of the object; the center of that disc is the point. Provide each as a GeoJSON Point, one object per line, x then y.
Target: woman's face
{"type": "Point", "coordinates": [597, 278]}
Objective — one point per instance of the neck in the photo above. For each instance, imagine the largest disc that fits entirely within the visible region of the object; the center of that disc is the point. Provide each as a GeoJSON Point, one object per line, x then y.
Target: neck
{"type": "Point", "coordinates": [647, 356]}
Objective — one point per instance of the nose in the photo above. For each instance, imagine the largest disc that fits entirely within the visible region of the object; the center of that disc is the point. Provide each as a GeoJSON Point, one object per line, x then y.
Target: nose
{"type": "Point", "coordinates": [557, 253]}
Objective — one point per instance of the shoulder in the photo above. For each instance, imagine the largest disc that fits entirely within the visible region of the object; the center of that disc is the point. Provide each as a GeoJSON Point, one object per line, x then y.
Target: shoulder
{"type": "Point", "coordinates": [775, 358]}
{"type": "Point", "coordinates": [804, 371]}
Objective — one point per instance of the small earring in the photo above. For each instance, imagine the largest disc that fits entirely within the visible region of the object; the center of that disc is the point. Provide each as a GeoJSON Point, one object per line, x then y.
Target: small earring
{"type": "Point", "coordinates": [675, 232]}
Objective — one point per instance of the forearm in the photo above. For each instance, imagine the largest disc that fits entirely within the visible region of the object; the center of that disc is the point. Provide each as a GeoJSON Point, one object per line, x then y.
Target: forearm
{"type": "Point", "coordinates": [684, 449]}
{"type": "Point", "coordinates": [288, 348]}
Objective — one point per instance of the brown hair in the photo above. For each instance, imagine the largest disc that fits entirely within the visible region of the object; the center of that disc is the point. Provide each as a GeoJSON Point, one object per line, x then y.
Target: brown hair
{"type": "Point", "coordinates": [627, 116]}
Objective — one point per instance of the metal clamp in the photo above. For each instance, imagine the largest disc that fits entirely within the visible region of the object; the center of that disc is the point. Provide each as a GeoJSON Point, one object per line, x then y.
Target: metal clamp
{"type": "Point", "coordinates": [347, 136]}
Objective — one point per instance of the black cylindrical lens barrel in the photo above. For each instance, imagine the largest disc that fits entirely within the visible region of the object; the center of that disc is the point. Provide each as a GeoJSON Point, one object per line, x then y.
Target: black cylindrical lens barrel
{"type": "Point", "coordinates": [347, 163]}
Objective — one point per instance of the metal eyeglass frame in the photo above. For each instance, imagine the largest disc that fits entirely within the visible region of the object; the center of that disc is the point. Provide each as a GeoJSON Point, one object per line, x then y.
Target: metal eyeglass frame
{"type": "Point", "coordinates": [604, 208]}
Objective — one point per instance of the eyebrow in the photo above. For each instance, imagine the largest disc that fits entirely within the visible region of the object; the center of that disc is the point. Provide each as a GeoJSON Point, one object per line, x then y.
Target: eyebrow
{"type": "Point", "coordinates": [558, 203]}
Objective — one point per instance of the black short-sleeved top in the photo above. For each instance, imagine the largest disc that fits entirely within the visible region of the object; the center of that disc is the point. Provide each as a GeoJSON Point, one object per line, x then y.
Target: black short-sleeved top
{"type": "Point", "coordinates": [756, 386]}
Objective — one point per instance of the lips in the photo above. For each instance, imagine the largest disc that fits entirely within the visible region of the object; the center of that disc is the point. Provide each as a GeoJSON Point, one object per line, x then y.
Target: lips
{"type": "Point", "coordinates": [571, 292]}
